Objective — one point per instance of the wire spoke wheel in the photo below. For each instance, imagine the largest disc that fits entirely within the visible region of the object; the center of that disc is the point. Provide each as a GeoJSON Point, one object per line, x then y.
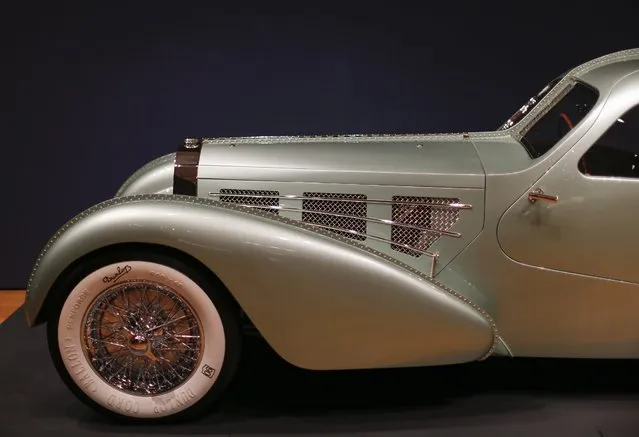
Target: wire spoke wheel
{"type": "Point", "coordinates": [142, 338]}
{"type": "Point", "coordinates": [145, 337]}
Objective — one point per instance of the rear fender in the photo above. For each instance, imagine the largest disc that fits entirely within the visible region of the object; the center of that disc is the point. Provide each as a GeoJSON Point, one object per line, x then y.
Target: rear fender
{"type": "Point", "coordinates": [320, 301]}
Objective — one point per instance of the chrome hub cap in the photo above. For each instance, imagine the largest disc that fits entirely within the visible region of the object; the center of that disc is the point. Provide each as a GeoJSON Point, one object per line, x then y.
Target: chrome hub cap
{"type": "Point", "coordinates": [139, 345]}
{"type": "Point", "coordinates": [142, 338]}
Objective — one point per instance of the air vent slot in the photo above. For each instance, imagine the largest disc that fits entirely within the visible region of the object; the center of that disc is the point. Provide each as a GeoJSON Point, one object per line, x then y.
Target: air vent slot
{"type": "Point", "coordinates": [425, 216]}
{"type": "Point", "coordinates": [337, 212]}
{"type": "Point", "coordinates": [253, 198]}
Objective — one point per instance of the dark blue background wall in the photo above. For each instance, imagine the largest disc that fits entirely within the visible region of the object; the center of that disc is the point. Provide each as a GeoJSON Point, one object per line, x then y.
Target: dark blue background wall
{"type": "Point", "coordinates": [93, 92]}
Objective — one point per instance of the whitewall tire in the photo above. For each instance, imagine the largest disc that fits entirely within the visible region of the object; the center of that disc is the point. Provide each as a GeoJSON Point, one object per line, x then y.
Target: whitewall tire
{"type": "Point", "coordinates": [145, 337]}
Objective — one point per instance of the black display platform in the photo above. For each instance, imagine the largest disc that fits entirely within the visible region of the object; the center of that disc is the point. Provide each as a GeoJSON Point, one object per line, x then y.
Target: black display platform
{"type": "Point", "coordinates": [499, 397]}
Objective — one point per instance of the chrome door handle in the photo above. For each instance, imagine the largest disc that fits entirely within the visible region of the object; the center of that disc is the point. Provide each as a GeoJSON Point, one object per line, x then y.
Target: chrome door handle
{"type": "Point", "coordinates": [538, 194]}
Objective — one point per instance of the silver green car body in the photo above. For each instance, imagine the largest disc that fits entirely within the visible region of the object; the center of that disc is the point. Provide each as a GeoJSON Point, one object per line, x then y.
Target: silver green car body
{"type": "Point", "coordinates": [370, 251]}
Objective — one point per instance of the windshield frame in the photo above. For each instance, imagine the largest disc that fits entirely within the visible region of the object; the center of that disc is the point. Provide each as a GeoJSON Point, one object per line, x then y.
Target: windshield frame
{"type": "Point", "coordinates": [531, 104]}
{"type": "Point", "coordinates": [560, 97]}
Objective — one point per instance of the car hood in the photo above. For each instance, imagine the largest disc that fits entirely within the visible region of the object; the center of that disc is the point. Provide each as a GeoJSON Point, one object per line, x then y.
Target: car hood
{"type": "Point", "coordinates": [410, 160]}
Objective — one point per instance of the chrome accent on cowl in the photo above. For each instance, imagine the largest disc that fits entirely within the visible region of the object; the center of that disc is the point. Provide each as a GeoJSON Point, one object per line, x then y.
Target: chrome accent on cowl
{"type": "Point", "coordinates": [187, 162]}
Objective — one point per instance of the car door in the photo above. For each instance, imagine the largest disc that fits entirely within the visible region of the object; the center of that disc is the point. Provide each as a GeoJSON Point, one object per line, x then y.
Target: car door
{"type": "Point", "coordinates": [582, 215]}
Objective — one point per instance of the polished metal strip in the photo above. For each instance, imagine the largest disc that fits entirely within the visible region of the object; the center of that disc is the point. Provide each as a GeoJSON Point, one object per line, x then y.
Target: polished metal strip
{"type": "Point", "coordinates": [433, 264]}
{"type": "Point", "coordinates": [374, 237]}
{"type": "Point", "coordinates": [346, 199]}
{"type": "Point", "coordinates": [355, 217]}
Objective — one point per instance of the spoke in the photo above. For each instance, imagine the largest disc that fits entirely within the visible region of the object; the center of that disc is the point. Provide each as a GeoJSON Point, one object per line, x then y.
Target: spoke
{"type": "Point", "coordinates": [99, 340]}
{"type": "Point", "coordinates": [143, 300]}
{"type": "Point", "coordinates": [190, 328]}
{"type": "Point", "coordinates": [126, 311]}
{"type": "Point", "coordinates": [166, 324]}
{"type": "Point", "coordinates": [172, 313]}
{"type": "Point", "coordinates": [122, 321]}
{"type": "Point", "coordinates": [156, 306]}
{"type": "Point", "coordinates": [125, 300]}
{"type": "Point", "coordinates": [132, 357]}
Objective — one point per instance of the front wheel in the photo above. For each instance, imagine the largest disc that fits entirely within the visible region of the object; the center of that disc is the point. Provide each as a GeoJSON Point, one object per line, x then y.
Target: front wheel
{"type": "Point", "coordinates": [144, 336]}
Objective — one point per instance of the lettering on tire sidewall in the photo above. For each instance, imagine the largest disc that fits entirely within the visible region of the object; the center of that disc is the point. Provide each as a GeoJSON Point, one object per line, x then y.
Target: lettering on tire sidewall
{"type": "Point", "coordinates": [177, 401]}
{"type": "Point", "coordinates": [91, 383]}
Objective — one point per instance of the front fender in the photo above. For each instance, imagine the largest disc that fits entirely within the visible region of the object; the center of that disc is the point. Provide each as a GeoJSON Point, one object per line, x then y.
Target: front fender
{"type": "Point", "coordinates": [319, 300]}
{"type": "Point", "coordinates": [155, 177]}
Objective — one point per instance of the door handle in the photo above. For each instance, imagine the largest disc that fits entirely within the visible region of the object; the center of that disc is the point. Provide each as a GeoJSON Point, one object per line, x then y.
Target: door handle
{"type": "Point", "coordinates": [538, 194]}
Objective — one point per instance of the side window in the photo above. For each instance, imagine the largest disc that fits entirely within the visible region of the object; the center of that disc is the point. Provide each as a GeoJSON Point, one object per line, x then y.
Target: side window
{"type": "Point", "coordinates": [615, 153]}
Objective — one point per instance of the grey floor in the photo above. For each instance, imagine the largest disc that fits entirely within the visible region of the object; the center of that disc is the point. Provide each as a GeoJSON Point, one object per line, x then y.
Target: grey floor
{"type": "Point", "coordinates": [500, 397]}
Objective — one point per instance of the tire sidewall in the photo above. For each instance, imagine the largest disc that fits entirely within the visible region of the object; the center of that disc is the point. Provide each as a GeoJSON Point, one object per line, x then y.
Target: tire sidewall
{"type": "Point", "coordinates": [80, 371]}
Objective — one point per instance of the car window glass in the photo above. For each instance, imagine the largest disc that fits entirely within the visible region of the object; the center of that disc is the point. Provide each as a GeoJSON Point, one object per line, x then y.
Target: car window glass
{"type": "Point", "coordinates": [614, 154]}
{"type": "Point", "coordinates": [561, 118]}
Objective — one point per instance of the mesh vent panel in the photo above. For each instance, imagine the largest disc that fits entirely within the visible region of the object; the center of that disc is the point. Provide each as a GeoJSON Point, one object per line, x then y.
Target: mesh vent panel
{"type": "Point", "coordinates": [242, 197]}
{"type": "Point", "coordinates": [418, 215]}
{"type": "Point", "coordinates": [356, 209]}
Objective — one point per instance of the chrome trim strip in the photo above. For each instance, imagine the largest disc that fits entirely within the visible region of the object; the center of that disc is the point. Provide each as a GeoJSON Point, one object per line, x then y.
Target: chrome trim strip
{"type": "Point", "coordinates": [433, 264]}
{"type": "Point", "coordinates": [354, 217]}
{"type": "Point", "coordinates": [346, 199]}
{"type": "Point", "coordinates": [374, 237]}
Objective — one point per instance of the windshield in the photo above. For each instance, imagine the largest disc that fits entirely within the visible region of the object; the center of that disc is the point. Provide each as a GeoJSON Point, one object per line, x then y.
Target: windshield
{"type": "Point", "coordinates": [564, 115]}
{"type": "Point", "coordinates": [531, 103]}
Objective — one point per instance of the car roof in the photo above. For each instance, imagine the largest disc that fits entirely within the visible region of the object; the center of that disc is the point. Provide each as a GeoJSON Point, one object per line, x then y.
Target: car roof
{"type": "Point", "coordinates": [629, 57]}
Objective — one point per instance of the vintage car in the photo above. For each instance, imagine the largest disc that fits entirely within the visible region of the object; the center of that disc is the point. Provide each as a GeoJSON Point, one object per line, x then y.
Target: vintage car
{"type": "Point", "coordinates": [355, 252]}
